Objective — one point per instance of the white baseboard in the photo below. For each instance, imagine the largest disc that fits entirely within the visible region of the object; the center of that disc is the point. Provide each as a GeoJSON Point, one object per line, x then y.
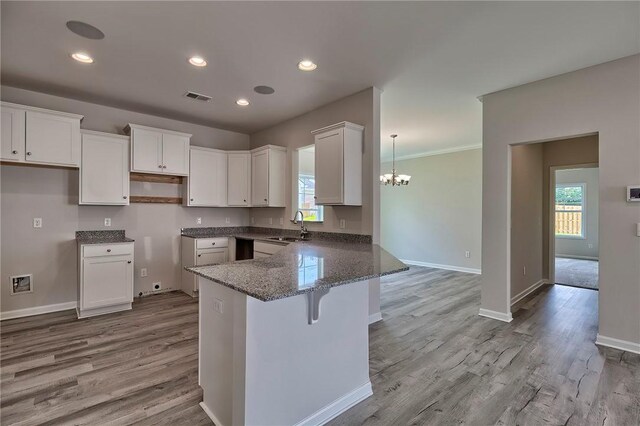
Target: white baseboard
{"type": "Point", "coordinates": [46, 309]}
{"type": "Point", "coordinates": [623, 345]}
{"type": "Point", "coordinates": [571, 256]}
{"type": "Point", "coordinates": [500, 316]}
{"type": "Point", "coordinates": [209, 413]}
{"type": "Point", "coordinates": [375, 317]}
{"type": "Point", "coordinates": [439, 266]}
{"type": "Point", "coordinates": [338, 406]}
{"type": "Point", "coordinates": [518, 297]}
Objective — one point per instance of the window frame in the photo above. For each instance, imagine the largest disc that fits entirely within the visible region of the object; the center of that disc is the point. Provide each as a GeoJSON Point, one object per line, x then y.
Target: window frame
{"type": "Point", "coordinates": [583, 223]}
{"type": "Point", "coordinates": [296, 193]}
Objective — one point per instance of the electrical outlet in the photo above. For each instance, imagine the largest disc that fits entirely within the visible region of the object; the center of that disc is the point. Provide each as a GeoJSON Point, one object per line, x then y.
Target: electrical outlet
{"type": "Point", "coordinates": [37, 222]}
{"type": "Point", "coordinates": [590, 245]}
{"type": "Point", "coordinates": [282, 221]}
{"type": "Point", "coordinates": [199, 221]}
{"type": "Point", "coordinates": [467, 254]}
{"type": "Point", "coordinates": [217, 305]}
{"type": "Point", "coordinates": [143, 272]}
{"type": "Point", "coordinates": [157, 286]}
{"type": "Point", "coordinates": [107, 221]}
{"type": "Point", "coordinates": [343, 223]}
{"type": "Point", "coordinates": [524, 270]}
{"type": "Point", "coordinates": [270, 221]}
{"type": "Point", "coordinates": [227, 220]}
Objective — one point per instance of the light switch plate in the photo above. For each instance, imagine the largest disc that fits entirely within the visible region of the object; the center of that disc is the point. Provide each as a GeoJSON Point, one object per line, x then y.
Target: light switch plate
{"type": "Point", "coordinates": [37, 222]}
{"type": "Point", "coordinates": [143, 272]}
{"type": "Point", "coordinates": [107, 221]}
{"type": "Point", "coordinates": [199, 221]}
{"type": "Point", "coordinates": [467, 254]}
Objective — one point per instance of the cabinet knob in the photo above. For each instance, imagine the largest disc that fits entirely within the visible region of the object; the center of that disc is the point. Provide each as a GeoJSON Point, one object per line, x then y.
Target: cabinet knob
{"type": "Point", "coordinates": [28, 152]}
{"type": "Point", "coordinates": [124, 197]}
{"type": "Point", "coordinates": [129, 261]}
{"type": "Point", "coordinates": [164, 167]}
{"type": "Point", "coordinates": [244, 201]}
{"type": "Point", "coordinates": [199, 255]}
{"type": "Point", "coordinates": [213, 244]}
{"type": "Point", "coordinates": [159, 166]}
{"type": "Point", "coordinates": [191, 199]}
{"type": "Point", "coordinates": [315, 198]}
{"type": "Point", "coordinates": [108, 250]}
{"type": "Point", "coordinates": [14, 152]}
{"type": "Point", "coordinates": [265, 199]}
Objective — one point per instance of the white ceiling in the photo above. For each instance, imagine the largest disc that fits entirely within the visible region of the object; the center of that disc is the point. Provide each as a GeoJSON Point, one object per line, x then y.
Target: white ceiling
{"type": "Point", "coordinates": [432, 60]}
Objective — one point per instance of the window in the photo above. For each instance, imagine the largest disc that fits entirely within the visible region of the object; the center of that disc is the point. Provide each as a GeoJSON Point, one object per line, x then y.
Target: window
{"type": "Point", "coordinates": [307, 186]}
{"type": "Point", "coordinates": [570, 207]}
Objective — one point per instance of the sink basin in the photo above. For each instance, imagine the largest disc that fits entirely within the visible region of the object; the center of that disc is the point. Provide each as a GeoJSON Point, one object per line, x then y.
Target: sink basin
{"type": "Point", "coordinates": [287, 239]}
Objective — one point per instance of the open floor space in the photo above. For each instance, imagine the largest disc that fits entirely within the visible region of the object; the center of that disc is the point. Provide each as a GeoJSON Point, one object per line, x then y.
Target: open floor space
{"type": "Point", "coordinates": [433, 360]}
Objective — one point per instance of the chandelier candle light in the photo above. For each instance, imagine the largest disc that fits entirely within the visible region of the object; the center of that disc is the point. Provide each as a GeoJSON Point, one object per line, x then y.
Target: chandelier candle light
{"type": "Point", "coordinates": [393, 178]}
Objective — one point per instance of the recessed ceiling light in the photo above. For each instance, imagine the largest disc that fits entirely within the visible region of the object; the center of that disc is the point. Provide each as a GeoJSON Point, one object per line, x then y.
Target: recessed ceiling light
{"type": "Point", "coordinates": [82, 57]}
{"type": "Point", "coordinates": [306, 65]}
{"type": "Point", "coordinates": [242, 102]}
{"type": "Point", "coordinates": [197, 61]}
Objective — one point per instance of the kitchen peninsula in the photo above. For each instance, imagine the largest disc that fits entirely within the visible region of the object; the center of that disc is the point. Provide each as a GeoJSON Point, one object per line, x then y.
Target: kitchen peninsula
{"type": "Point", "coordinates": [284, 338]}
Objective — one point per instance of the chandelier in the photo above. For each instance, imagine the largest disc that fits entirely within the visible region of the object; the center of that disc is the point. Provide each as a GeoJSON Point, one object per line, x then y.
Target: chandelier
{"type": "Point", "coordinates": [393, 178]}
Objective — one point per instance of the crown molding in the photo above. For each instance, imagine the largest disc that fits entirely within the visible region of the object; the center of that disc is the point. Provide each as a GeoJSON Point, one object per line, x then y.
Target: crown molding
{"type": "Point", "coordinates": [432, 153]}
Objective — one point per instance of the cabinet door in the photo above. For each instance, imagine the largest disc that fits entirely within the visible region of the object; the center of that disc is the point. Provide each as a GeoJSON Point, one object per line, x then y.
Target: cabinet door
{"type": "Point", "coordinates": [104, 170]}
{"type": "Point", "coordinates": [207, 178]}
{"type": "Point", "coordinates": [13, 123]}
{"type": "Point", "coordinates": [146, 151]}
{"type": "Point", "coordinates": [52, 139]}
{"type": "Point", "coordinates": [107, 281]}
{"type": "Point", "coordinates": [260, 178]}
{"type": "Point", "coordinates": [211, 256]}
{"type": "Point", "coordinates": [239, 179]}
{"type": "Point", "coordinates": [329, 167]}
{"type": "Point", "coordinates": [175, 154]}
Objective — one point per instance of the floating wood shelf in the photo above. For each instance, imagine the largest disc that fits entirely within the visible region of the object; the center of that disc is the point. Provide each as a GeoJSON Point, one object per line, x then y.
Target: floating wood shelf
{"type": "Point", "coordinates": [155, 200]}
{"type": "Point", "coordinates": [147, 177]}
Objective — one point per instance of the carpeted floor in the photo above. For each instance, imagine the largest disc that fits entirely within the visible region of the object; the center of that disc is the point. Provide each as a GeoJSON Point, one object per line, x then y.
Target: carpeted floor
{"type": "Point", "coordinates": [577, 272]}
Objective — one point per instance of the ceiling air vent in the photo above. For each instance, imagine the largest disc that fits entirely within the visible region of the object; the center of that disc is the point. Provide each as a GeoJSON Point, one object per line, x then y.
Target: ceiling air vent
{"type": "Point", "coordinates": [198, 96]}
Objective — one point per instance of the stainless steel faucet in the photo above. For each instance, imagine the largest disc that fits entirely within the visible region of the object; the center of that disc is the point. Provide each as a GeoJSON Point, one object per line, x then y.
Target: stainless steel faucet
{"type": "Point", "coordinates": [304, 234]}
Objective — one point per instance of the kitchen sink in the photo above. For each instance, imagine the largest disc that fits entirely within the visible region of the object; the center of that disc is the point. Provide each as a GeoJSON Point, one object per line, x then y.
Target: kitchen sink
{"type": "Point", "coordinates": [287, 239]}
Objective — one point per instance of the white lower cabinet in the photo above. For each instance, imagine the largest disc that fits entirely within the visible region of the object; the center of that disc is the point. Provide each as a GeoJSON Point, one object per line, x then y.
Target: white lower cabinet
{"type": "Point", "coordinates": [199, 252]}
{"type": "Point", "coordinates": [106, 278]}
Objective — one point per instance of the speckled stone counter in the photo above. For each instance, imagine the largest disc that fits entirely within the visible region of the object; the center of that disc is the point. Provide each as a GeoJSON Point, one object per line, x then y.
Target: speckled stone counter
{"type": "Point", "coordinates": [257, 233]}
{"type": "Point", "coordinates": [302, 267]}
{"type": "Point", "coordinates": [102, 237]}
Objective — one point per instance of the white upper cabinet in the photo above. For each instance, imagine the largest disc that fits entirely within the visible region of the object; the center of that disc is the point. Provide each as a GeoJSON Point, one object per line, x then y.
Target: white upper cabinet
{"type": "Point", "coordinates": [338, 164]}
{"type": "Point", "coordinates": [207, 182]}
{"type": "Point", "coordinates": [13, 128]}
{"type": "Point", "coordinates": [104, 169]}
{"type": "Point", "coordinates": [239, 178]}
{"type": "Point", "coordinates": [158, 151]}
{"type": "Point", "coordinates": [40, 136]}
{"type": "Point", "coordinates": [268, 167]}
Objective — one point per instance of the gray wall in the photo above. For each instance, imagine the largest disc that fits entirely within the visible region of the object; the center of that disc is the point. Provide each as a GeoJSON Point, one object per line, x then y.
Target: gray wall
{"type": "Point", "coordinates": [52, 194]}
{"type": "Point", "coordinates": [579, 247]}
{"type": "Point", "coordinates": [526, 216]}
{"type": "Point", "coordinates": [437, 217]}
{"type": "Point", "coordinates": [359, 108]}
{"type": "Point", "coordinates": [604, 99]}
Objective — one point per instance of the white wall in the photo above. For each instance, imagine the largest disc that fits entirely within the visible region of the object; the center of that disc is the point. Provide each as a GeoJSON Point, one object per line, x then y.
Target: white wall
{"type": "Point", "coordinates": [604, 99]}
{"type": "Point", "coordinates": [579, 247]}
{"type": "Point", "coordinates": [437, 217]}
{"type": "Point", "coordinates": [52, 194]}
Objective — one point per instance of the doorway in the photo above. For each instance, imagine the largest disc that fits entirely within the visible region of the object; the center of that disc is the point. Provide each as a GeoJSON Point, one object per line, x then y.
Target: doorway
{"type": "Point", "coordinates": [574, 226]}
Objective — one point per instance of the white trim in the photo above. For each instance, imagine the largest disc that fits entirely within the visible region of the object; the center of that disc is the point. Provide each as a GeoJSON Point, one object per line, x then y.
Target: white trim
{"type": "Point", "coordinates": [575, 256]}
{"type": "Point", "coordinates": [436, 152]}
{"type": "Point", "coordinates": [439, 266]}
{"type": "Point", "coordinates": [338, 406]}
{"type": "Point", "coordinates": [518, 297]}
{"type": "Point", "coordinates": [27, 312]}
{"type": "Point", "coordinates": [209, 413]}
{"type": "Point", "coordinates": [623, 345]}
{"type": "Point", "coordinates": [373, 318]}
{"type": "Point", "coordinates": [500, 316]}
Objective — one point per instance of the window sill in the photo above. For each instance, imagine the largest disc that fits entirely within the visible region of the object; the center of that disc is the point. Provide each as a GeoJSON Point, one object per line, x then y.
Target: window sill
{"type": "Point", "coordinates": [314, 221]}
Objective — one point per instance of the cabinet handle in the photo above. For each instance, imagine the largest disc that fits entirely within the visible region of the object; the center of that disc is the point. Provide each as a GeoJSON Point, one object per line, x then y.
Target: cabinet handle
{"type": "Point", "coordinates": [28, 152]}
{"type": "Point", "coordinates": [108, 250]}
{"type": "Point", "coordinates": [129, 261]}
{"type": "Point", "coordinates": [14, 152]}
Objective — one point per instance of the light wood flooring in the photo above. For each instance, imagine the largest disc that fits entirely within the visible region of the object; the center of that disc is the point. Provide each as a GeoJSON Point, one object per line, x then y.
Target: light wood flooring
{"type": "Point", "coordinates": [433, 361]}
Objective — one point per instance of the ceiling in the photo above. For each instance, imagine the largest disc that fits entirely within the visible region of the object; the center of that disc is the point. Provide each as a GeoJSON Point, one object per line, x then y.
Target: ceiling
{"type": "Point", "coordinates": [432, 60]}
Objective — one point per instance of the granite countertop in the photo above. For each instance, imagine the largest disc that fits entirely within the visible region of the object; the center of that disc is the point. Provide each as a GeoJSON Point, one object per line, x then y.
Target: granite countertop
{"type": "Point", "coordinates": [302, 267]}
{"type": "Point", "coordinates": [102, 237]}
